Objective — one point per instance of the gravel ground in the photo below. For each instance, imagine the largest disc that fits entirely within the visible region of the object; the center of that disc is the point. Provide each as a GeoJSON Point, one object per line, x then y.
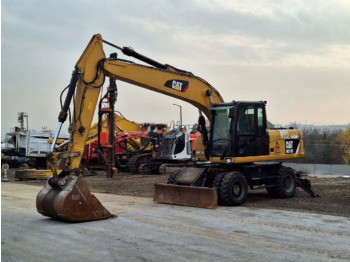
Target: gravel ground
{"type": "Point", "coordinates": [334, 191]}
{"type": "Point", "coordinates": [148, 231]}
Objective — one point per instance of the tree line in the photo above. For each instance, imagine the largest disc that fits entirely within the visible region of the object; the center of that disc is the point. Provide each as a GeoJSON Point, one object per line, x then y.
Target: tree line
{"type": "Point", "coordinates": [324, 146]}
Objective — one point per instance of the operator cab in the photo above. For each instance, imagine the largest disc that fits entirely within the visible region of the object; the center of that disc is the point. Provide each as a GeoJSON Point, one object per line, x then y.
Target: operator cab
{"type": "Point", "coordinates": [175, 145]}
{"type": "Point", "coordinates": [238, 129]}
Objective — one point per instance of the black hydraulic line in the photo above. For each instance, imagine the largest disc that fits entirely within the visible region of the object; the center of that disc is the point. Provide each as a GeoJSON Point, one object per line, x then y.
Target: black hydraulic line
{"type": "Point", "coordinates": [62, 116]}
{"type": "Point", "coordinates": [73, 82]}
{"type": "Point", "coordinates": [131, 52]}
{"type": "Point", "coordinates": [119, 164]}
{"type": "Point", "coordinates": [115, 46]}
{"type": "Point", "coordinates": [130, 151]}
{"type": "Point", "coordinates": [203, 130]}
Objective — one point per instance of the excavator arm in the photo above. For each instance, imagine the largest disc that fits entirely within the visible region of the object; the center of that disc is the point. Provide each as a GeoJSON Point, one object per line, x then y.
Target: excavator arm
{"type": "Point", "coordinates": [93, 67]}
{"type": "Point", "coordinates": [66, 196]}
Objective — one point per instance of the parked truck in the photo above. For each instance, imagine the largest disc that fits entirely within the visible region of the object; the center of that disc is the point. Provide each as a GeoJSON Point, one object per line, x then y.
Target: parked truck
{"type": "Point", "coordinates": [23, 146]}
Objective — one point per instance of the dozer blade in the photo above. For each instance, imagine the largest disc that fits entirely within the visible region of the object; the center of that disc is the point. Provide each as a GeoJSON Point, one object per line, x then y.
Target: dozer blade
{"type": "Point", "coordinates": [186, 195]}
{"type": "Point", "coordinates": [71, 202]}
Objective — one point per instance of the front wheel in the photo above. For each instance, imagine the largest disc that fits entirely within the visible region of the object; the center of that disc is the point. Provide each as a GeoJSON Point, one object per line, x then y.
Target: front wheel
{"type": "Point", "coordinates": [233, 189]}
{"type": "Point", "coordinates": [216, 184]}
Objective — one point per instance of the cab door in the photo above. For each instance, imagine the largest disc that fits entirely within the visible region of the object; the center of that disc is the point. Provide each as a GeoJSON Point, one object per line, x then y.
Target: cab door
{"type": "Point", "coordinates": [251, 135]}
{"type": "Point", "coordinates": [262, 136]}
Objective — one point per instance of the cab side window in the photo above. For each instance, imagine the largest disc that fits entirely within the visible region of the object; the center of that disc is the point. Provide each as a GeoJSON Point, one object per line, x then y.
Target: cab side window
{"type": "Point", "coordinates": [246, 121]}
{"type": "Point", "coordinates": [261, 128]}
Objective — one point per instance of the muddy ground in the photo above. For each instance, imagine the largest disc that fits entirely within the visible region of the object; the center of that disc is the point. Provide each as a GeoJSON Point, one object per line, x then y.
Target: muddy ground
{"type": "Point", "coordinates": [334, 191]}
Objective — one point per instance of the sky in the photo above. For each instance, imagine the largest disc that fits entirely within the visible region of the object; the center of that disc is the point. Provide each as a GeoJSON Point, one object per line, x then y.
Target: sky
{"type": "Point", "coordinates": [293, 54]}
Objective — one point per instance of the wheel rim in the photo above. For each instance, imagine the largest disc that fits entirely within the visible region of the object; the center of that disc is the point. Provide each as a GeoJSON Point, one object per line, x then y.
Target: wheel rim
{"type": "Point", "coordinates": [288, 183]}
{"type": "Point", "coordinates": [236, 189]}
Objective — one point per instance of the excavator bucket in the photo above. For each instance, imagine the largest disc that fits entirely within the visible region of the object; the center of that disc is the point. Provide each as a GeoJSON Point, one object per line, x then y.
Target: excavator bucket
{"type": "Point", "coordinates": [186, 195]}
{"type": "Point", "coordinates": [72, 201]}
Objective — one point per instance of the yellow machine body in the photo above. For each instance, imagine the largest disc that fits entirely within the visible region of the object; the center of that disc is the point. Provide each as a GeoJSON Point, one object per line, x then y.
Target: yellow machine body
{"type": "Point", "coordinates": [62, 196]}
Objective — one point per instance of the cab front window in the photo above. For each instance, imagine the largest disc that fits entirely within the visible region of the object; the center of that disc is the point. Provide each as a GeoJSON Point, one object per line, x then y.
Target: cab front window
{"type": "Point", "coordinates": [221, 139]}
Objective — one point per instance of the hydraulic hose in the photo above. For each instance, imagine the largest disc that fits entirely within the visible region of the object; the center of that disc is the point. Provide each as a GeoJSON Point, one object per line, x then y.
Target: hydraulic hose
{"type": "Point", "coordinates": [64, 110]}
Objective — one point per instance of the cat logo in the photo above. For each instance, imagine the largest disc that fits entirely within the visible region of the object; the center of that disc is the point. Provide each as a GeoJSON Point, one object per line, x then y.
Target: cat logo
{"type": "Point", "coordinates": [292, 146]}
{"type": "Point", "coordinates": [178, 85]}
{"type": "Point", "coordinates": [289, 146]}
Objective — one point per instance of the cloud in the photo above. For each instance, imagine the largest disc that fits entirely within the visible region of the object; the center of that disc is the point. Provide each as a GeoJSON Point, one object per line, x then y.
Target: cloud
{"type": "Point", "coordinates": [246, 49]}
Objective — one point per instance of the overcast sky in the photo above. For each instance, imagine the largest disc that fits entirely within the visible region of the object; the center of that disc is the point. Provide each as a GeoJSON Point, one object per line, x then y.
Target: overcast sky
{"type": "Point", "coordinates": [293, 54]}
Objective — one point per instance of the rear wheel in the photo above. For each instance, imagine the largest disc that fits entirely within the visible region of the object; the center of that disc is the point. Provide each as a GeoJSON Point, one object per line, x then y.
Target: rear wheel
{"type": "Point", "coordinates": [233, 189]}
{"type": "Point", "coordinates": [286, 183]}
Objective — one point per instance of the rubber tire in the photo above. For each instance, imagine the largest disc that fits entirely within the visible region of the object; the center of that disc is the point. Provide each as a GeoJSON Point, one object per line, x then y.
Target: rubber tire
{"type": "Point", "coordinates": [173, 176]}
{"type": "Point", "coordinates": [216, 185]}
{"type": "Point", "coordinates": [230, 183]}
{"type": "Point", "coordinates": [286, 183]}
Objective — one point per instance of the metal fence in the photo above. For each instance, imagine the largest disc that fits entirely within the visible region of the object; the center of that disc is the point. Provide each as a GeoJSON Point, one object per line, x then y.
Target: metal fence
{"type": "Point", "coordinates": [321, 169]}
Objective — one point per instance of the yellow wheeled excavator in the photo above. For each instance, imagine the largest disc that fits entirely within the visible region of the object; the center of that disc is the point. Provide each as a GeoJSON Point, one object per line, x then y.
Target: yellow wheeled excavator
{"type": "Point", "coordinates": [238, 147]}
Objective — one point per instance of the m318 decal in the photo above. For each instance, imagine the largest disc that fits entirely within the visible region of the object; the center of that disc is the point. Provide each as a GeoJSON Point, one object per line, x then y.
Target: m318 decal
{"type": "Point", "coordinates": [292, 146]}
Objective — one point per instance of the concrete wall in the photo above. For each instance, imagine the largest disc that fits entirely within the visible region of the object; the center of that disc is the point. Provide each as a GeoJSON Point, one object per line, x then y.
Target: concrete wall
{"type": "Point", "coordinates": [321, 169]}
